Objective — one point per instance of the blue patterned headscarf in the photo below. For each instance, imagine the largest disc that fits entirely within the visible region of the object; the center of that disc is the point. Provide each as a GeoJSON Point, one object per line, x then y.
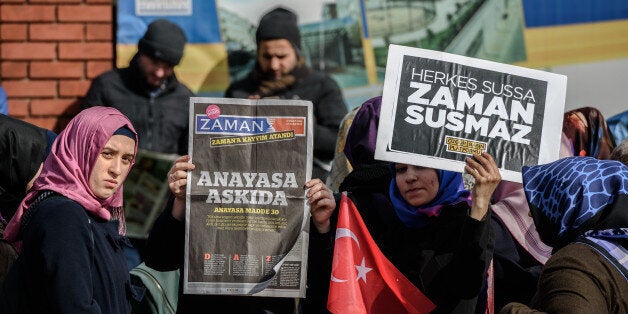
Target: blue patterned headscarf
{"type": "Point", "coordinates": [450, 191]}
{"type": "Point", "coordinates": [577, 196]}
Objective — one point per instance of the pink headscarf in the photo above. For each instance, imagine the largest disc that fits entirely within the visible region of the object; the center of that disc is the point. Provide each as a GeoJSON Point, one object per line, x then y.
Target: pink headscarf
{"type": "Point", "coordinates": [69, 166]}
{"type": "Point", "coordinates": [511, 206]}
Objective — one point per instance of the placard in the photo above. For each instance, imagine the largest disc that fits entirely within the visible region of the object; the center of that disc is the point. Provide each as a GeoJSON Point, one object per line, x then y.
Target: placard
{"type": "Point", "coordinates": [439, 108]}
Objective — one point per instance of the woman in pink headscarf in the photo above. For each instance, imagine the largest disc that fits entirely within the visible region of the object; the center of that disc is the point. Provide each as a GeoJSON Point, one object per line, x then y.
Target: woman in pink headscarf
{"type": "Point", "coordinates": [519, 253]}
{"type": "Point", "coordinates": [70, 226]}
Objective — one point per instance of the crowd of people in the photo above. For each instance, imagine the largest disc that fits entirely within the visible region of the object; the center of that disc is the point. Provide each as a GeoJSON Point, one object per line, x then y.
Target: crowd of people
{"type": "Point", "coordinates": [472, 242]}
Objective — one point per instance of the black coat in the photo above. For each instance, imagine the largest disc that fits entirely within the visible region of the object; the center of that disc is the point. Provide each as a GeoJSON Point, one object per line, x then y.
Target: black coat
{"type": "Point", "coordinates": [516, 272]}
{"type": "Point", "coordinates": [161, 120]}
{"type": "Point", "coordinates": [70, 263]}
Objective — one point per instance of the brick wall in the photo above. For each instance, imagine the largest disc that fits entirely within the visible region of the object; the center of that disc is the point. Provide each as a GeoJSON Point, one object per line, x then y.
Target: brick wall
{"type": "Point", "coordinates": [50, 50]}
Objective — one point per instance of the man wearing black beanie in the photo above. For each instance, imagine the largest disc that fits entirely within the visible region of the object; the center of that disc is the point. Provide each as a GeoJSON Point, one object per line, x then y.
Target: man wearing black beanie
{"type": "Point", "coordinates": [148, 92]}
{"type": "Point", "coordinates": [281, 72]}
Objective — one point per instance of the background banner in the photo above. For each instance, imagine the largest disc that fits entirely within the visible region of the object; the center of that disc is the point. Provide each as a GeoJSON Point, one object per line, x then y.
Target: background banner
{"type": "Point", "coordinates": [349, 39]}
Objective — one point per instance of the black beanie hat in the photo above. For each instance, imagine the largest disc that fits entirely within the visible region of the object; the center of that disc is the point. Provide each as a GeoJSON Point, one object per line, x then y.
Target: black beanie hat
{"type": "Point", "coordinates": [163, 40]}
{"type": "Point", "coordinates": [279, 23]}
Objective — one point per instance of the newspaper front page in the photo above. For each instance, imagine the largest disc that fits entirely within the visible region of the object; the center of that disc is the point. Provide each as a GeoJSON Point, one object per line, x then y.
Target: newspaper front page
{"type": "Point", "coordinates": [247, 219]}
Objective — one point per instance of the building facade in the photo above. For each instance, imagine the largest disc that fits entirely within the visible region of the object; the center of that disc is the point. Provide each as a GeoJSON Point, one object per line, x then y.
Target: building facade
{"type": "Point", "coordinates": [50, 50]}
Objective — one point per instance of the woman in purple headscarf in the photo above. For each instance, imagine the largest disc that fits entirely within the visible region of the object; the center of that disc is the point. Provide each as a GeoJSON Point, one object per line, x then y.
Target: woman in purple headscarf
{"type": "Point", "coordinates": [70, 226]}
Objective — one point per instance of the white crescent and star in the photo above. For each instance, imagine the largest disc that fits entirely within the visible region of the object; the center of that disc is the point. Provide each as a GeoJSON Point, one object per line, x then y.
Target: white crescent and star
{"type": "Point", "coordinates": [344, 232]}
{"type": "Point", "coordinates": [362, 269]}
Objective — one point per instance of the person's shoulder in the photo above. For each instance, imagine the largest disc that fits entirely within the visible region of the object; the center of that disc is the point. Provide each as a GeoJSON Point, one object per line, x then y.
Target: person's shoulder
{"type": "Point", "coordinates": [110, 74]}
{"type": "Point", "coordinates": [241, 88]}
{"type": "Point", "coordinates": [579, 267]}
{"type": "Point", "coordinates": [575, 254]}
{"type": "Point", "coordinates": [109, 78]}
{"type": "Point", "coordinates": [371, 178]}
{"type": "Point", "coordinates": [314, 75]}
{"type": "Point", "coordinates": [322, 79]}
{"type": "Point", "coordinates": [580, 258]}
{"type": "Point", "coordinates": [55, 215]}
{"type": "Point", "coordinates": [60, 208]}
{"type": "Point", "coordinates": [242, 83]}
{"type": "Point", "coordinates": [184, 89]}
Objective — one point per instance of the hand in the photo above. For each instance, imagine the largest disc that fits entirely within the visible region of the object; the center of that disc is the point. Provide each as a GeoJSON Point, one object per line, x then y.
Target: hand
{"type": "Point", "coordinates": [177, 181]}
{"type": "Point", "coordinates": [322, 204]}
{"type": "Point", "coordinates": [486, 174]}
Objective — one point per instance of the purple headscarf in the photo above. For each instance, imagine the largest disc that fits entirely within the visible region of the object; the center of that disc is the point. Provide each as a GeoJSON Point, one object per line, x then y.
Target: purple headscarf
{"type": "Point", "coordinates": [362, 136]}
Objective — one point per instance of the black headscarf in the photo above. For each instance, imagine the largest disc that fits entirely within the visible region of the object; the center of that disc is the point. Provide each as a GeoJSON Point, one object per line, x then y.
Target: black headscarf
{"type": "Point", "coordinates": [23, 148]}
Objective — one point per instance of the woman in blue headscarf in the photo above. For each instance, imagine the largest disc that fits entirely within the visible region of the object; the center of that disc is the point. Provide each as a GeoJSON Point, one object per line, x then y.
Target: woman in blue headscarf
{"type": "Point", "coordinates": [441, 238]}
{"type": "Point", "coordinates": [423, 220]}
{"type": "Point", "coordinates": [579, 205]}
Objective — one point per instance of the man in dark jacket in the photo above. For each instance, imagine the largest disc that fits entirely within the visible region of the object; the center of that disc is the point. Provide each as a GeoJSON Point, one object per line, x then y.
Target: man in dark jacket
{"type": "Point", "coordinates": [281, 72]}
{"type": "Point", "coordinates": [148, 92]}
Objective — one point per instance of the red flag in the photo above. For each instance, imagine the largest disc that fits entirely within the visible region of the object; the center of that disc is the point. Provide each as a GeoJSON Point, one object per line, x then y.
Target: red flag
{"type": "Point", "coordinates": [363, 280]}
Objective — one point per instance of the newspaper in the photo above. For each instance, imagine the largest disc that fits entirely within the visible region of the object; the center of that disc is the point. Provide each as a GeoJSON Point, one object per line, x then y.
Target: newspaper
{"type": "Point", "coordinates": [146, 191]}
{"type": "Point", "coordinates": [247, 218]}
{"type": "Point", "coordinates": [439, 108]}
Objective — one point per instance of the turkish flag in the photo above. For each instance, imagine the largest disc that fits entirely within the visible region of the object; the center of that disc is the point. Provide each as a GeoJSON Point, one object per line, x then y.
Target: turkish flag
{"type": "Point", "coordinates": [363, 280]}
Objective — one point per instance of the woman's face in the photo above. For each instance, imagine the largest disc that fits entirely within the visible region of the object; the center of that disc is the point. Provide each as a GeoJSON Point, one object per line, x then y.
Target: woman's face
{"type": "Point", "coordinates": [418, 185]}
{"type": "Point", "coordinates": [112, 166]}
